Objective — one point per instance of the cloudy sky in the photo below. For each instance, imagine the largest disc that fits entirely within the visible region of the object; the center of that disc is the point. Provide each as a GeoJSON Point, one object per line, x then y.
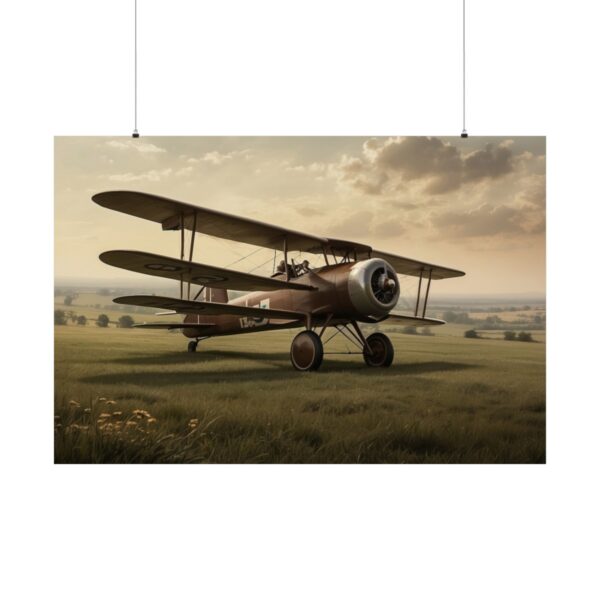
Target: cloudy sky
{"type": "Point", "coordinates": [475, 204]}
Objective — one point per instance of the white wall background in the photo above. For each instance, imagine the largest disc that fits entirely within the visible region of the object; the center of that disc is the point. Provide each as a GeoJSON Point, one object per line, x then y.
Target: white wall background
{"type": "Point", "coordinates": [299, 67]}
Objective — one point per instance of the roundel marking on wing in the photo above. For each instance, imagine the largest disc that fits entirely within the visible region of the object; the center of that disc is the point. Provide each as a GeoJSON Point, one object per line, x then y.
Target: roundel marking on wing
{"type": "Point", "coordinates": [208, 279]}
{"type": "Point", "coordinates": [161, 267]}
{"type": "Point", "coordinates": [179, 306]}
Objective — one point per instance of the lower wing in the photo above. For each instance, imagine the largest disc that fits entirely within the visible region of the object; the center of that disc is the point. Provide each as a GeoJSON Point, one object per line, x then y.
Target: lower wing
{"type": "Point", "coordinates": [188, 307]}
{"type": "Point", "coordinates": [171, 326]}
{"type": "Point", "coordinates": [413, 321]}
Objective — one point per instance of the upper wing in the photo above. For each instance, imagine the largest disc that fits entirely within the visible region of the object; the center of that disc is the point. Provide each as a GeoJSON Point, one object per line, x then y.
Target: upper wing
{"type": "Point", "coordinates": [208, 308]}
{"type": "Point", "coordinates": [413, 321]}
{"type": "Point", "coordinates": [170, 214]}
{"type": "Point", "coordinates": [409, 266]}
{"type": "Point", "coordinates": [215, 277]}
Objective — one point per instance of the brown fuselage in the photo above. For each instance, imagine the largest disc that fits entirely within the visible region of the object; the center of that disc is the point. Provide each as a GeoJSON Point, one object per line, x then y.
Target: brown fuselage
{"type": "Point", "coordinates": [330, 301]}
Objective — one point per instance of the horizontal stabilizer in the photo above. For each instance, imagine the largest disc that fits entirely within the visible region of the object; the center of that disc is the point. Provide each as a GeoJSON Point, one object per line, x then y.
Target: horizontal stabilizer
{"type": "Point", "coordinates": [190, 307]}
{"type": "Point", "coordinates": [195, 273]}
{"type": "Point", "coordinates": [171, 326]}
{"type": "Point", "coordinates": [412, 321]}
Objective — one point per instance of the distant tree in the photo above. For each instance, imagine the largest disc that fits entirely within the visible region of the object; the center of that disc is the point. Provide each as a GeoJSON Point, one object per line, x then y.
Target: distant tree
{"type": "Point", "coordinates": [510, 335]}
{"type": "Point", "coordinates": [426, 331]}
{"type": "Point", "coordinates": [72, 316]}
{"type": "Point", "coordinates": [81, 320]}
{"type": "Point", "coordinates": [537, 319]}
{"type": "Point", "coordinates": [493, 320]}
{"type": "Point", "coordinates": [58, 292]}
{"type": "Point", "coordinates": [102, 320]}
{"type": "Point", "coordinates": [524, 336]}
{"type": "Point", "coordinates": [104, 292]}
{"type": "Point", "coordinates": [59, 317]}
{"type": "Point", "coordinates": [527, 307]}
{"type": "Point", "coordinates": [471, 333]}
{"type": "Point", "coordinates": [457, 317]}
{"type": "Point", "coordinates": [68, 300]}
{"type": "Point", "coordinates": [126, 322]}
{"type": "Point", "coordinates": [410, 330]}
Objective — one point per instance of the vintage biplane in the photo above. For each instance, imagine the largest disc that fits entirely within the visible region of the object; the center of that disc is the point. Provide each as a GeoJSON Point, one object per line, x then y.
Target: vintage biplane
{"type": "Point", "coordinates": [357, 284]}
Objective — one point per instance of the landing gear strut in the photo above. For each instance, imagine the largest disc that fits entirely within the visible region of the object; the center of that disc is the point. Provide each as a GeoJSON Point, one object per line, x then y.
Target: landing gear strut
{"type": "Point", "coordinates": [192, 346]}
{"type": "Point", "coordinates": [307, 351]}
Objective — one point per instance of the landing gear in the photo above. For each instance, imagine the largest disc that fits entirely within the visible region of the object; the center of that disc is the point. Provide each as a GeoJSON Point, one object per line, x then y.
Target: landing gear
{"type": "Point", "coordinates": [382, 351]}
{"type": "Point", "coordinates": [306, 352]}
{"type": "Point", "coordinates": [192, 346]}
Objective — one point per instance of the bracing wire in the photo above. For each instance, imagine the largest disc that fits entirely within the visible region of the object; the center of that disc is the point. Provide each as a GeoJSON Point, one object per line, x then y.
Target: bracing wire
{"type": "Point", "coordinates": [464, 74]}
{"type": "Point", "coordinates": [135, 133]}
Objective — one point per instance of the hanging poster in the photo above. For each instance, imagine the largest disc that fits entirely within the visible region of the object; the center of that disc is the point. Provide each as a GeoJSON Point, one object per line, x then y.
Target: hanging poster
{"type": "Point", "coordinates": [300, 300]}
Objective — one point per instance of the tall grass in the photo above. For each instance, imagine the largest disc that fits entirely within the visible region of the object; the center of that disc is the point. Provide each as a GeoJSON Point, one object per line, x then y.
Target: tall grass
{"type": "Point", "coordinates": [134, 396]}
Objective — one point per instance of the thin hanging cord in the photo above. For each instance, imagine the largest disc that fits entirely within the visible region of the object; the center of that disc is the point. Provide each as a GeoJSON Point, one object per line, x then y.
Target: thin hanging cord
{"type": "Point", "coordinates": [464, 129]}
{"type": "Point", "coordinates": [135, 133]}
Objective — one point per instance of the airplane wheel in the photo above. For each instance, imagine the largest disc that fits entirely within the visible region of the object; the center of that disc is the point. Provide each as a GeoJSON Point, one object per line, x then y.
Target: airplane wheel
{"type": "Point", "coordinates": [192, 346]}
{"type": "Point", "coordinates": [306, 352]}
{"type": "Point", "coordinates": [382, 351]}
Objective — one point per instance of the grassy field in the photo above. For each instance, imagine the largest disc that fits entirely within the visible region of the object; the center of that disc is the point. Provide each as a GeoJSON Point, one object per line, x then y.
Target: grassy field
{"type": "Point", "coordinates": [125, 395]}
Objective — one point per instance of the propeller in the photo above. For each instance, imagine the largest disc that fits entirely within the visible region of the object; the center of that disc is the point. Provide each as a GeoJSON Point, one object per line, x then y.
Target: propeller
{"type": "Point", "coordinates": [384, 285]}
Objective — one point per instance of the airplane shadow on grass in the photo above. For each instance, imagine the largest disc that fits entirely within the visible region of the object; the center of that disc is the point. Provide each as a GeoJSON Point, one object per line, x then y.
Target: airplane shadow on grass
{"type": "Point", "coordinates": [266, 367]}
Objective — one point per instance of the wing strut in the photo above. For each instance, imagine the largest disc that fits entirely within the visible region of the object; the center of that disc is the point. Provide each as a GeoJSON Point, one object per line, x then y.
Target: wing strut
{"type": "Point", "coordinates": [287, 270]}
{"type": "Point", "coordinates": [192, 251]}
{"type": "Point", "coordinates": [182, 218]}
{"type": "Point", "coordinates": [181, 253]}
{"type": "Point", "coordinates": [426, 293]}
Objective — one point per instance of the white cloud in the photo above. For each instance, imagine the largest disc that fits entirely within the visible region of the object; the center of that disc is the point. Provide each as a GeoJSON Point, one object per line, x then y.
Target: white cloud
{"type": "Point", "coordinates": [218, 158]}
{"type": "Point", "coordinates": [141, 147]}
{"type": "Point", "coordinates": [184, 171]}
{"type": "Point", "coordinates": [153, 175]}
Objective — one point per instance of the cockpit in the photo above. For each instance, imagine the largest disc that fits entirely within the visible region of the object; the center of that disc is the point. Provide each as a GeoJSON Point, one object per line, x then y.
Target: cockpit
{"type": "Point", "coordinates": [292, 269]}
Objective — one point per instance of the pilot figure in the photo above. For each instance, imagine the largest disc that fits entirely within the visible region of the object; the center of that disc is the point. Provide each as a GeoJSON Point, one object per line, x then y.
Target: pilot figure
{"type": "Point", "coordinates": [281, 267]}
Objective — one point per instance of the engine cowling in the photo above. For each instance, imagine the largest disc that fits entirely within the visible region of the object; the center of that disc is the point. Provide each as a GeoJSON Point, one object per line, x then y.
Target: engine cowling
{"type": "Point", "coordinates": [373, 287]}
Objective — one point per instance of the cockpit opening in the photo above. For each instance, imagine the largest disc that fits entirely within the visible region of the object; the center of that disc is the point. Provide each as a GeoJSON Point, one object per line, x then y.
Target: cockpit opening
{"type": "Point", "coordinates": [292, 269]}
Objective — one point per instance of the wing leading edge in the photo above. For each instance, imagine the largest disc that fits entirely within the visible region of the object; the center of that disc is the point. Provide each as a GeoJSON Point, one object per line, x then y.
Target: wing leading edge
{"type": "Point", "coordinates": [171, 213]}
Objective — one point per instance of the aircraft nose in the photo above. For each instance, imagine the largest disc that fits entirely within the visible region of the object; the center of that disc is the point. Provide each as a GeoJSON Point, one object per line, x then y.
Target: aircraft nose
{"type": "Point", "coordinates": [387, 283]}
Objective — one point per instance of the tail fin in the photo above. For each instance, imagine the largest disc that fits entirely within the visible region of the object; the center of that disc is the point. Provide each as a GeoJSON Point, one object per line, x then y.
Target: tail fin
{"type": "Point", "coordinates": [216, 295]}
